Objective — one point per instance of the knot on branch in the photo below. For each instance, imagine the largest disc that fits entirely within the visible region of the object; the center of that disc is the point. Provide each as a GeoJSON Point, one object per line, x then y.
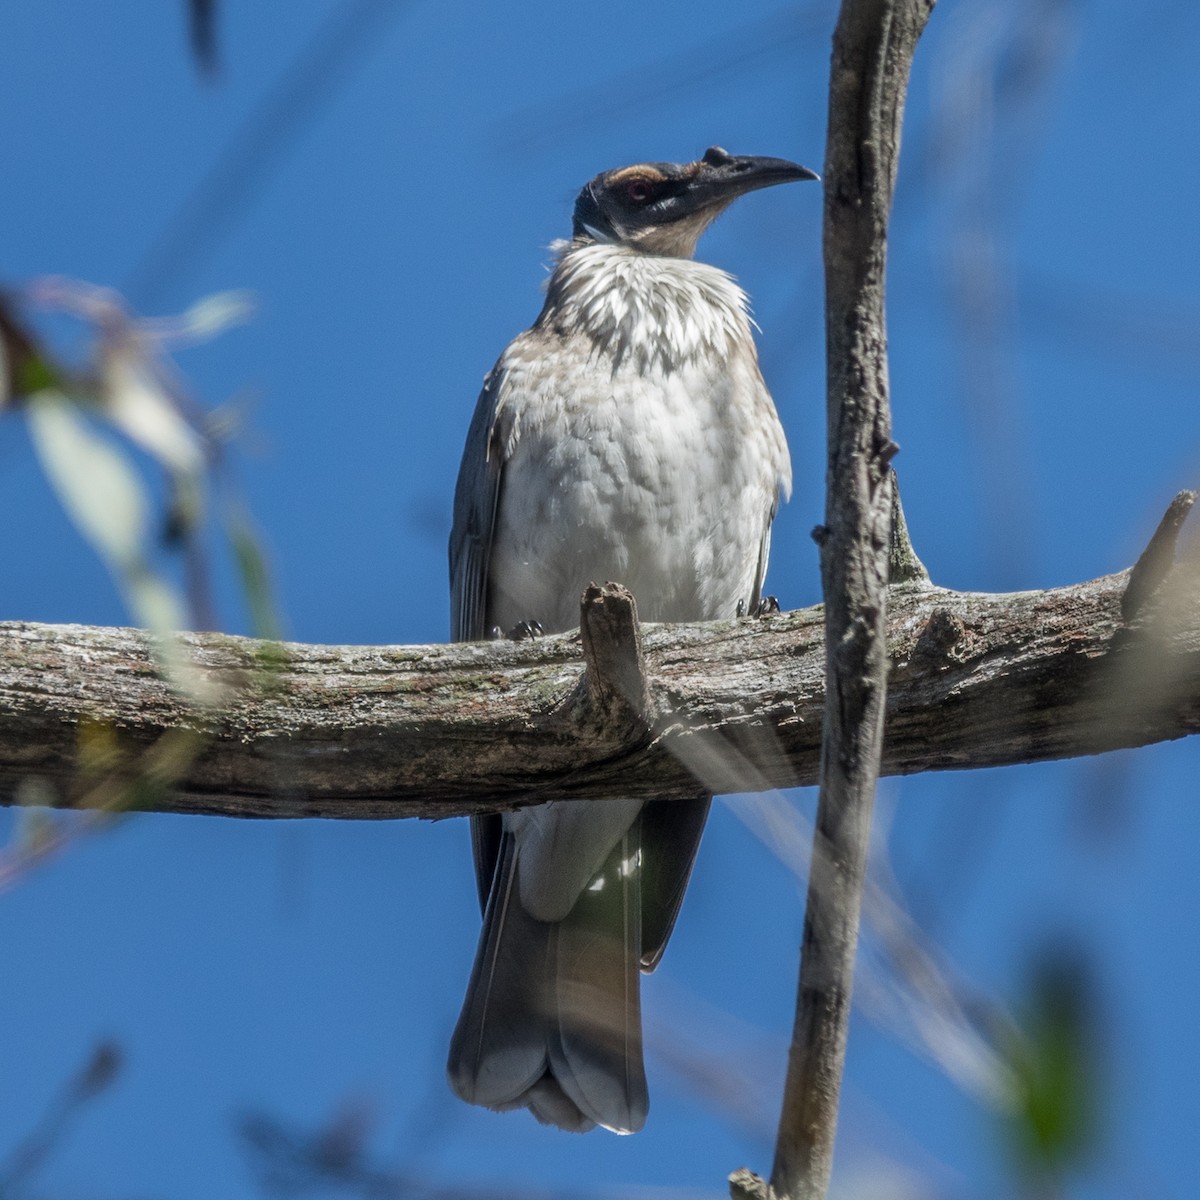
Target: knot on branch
{"type": "Point", "coordinates": [745, 1185]}
{"type": "Point", "coordinates": [944, 640]}
{"type": "Point", "coordinates": [614, 683]}
{"type": "Point", "coordinates": [903, 564]}
{"type": "Point", "coordinates": [1154, 565]}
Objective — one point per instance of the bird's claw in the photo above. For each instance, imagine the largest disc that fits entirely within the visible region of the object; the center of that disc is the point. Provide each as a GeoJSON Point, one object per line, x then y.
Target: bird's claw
{"type": "Point", "coordinates": [767, 606]}
{"type": "Point", "coordinates": [523, 631]}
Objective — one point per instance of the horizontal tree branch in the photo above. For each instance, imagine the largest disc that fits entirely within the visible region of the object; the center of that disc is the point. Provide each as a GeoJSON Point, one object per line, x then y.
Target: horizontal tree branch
{"type": "Point", "coordinates": [436, 731]}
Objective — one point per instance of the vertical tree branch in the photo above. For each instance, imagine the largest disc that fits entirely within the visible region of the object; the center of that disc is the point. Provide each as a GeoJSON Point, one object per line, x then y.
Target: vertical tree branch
{"type": "Point", "coordinates": [872, 51]}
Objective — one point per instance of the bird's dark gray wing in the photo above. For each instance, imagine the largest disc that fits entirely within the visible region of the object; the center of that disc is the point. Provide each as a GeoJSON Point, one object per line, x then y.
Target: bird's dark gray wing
{"type": "Point", "coordinates": [764, 553]}
{"type": "Point", "coordinates": [476, 501]}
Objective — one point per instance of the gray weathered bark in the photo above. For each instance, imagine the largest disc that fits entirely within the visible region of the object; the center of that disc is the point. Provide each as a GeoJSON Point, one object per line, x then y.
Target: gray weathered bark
{"type": "Point", "coordinates": [439, 731]}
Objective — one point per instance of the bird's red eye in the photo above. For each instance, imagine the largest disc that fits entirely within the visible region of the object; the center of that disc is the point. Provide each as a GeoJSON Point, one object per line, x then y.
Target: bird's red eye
{"type": "Point", "coordinates": [639, 190]}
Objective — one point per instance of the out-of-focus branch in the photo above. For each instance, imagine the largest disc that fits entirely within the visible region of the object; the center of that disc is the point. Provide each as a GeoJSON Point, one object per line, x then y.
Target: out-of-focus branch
{"type": "Point", "coordinates": [202, 23]}
{"type": "Point", "coordinates": [439, 731]}
{"type": "Point", "coordinates": [26, 1159]}
{"type": "Point", "coordinates": [267, 132]}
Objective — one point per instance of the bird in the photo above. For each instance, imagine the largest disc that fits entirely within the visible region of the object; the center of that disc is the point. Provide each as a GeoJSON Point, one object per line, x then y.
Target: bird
{"type": "Point", "coordinates": [627, 435]}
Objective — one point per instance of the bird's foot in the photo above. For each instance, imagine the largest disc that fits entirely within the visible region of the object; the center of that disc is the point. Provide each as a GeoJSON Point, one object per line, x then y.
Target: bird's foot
{"type": "Point", "coordinates": [522, 631]}
{"type": "Point", "coordinates": [766, 607]}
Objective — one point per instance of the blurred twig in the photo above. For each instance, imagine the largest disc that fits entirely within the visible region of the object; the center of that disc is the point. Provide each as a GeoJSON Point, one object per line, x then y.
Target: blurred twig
{"type": "Point", "coordinates": [202, 25]}
{"type": "Point", "coordinates": [1096, 322]}
{"type": "Point", "coordinates": [993, 76]}
{"type": "Point", "coordinates": [228, 185]}
{"type": "Point", "coordinates": [34, 1151]}
{"type": "Point", "coordinates": [903, 984]}
{"type": "Point", "coordinates": [336, 1159]}
{"type": "Point", "coordinates": [669, 78]}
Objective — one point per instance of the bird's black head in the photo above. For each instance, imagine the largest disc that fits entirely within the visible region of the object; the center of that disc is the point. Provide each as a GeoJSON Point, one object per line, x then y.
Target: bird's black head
{"type": "Point", "coordinates": [663, 208]}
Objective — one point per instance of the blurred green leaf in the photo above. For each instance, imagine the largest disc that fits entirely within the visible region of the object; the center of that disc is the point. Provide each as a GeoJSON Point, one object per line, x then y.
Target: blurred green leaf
{"type": "Point", "coordinates": [105, 497]}
{"type": "Point", "coordinates": [23, 368]}
{"type": "Point", "coordinates": [156, 603]}
{"type": "Point", "coordinates": [35, 828]}
{"type": "Point", "coordinates": [1055, 1070]}
{"type": "Point", "coordinates": [137, 404]}
{"type": "Point", "coordinates": [36, 375]}
{"type": "Point", "coordinates": [131, 390]}
{"type": "Point", "coordinates": [97, 748]}
{"type": "Point", "coordinates": [95, 481]}
{"type": "Point", "coordinates": [216, 313]}
{"type": "Point", "coordinates": [256, 580]}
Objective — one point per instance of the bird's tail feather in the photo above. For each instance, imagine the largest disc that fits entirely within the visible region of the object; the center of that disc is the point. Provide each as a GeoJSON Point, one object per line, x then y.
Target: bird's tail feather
{"type": "Point", "coordinates": [552, 1016]}
{"type": "Point", "coordinates": [498, 1050]}
{"type": "Point", "coordinates": [597, 1055]}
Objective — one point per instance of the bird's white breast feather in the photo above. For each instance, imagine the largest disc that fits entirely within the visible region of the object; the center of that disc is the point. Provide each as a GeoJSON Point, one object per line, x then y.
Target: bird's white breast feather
{"type": "Point", "coordinates": [656, 452]}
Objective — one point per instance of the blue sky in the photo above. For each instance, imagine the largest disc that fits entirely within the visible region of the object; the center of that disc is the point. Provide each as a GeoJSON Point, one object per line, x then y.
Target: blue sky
{"type": "Point", "coordinates": [1044, 330]}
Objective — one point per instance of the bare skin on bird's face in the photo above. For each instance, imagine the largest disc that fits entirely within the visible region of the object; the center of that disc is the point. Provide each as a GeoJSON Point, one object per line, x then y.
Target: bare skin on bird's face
{"type": "Point", "coordinates": [626, 436]}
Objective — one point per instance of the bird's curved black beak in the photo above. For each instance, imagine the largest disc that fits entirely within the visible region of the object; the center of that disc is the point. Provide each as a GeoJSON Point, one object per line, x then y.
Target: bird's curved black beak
{"type": "Point", "coordinates": [720, 177]}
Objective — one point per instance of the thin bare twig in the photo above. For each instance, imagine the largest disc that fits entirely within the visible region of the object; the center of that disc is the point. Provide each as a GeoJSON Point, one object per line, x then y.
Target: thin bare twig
{"type": "Point", "coordinates": [872, 52]}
